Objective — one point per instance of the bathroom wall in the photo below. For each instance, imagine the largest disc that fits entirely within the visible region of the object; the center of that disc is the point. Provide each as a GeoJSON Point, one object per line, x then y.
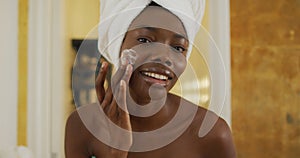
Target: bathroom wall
{"type": "Point", "coordinates": [265, 45]}
{"type": "Point", "coordinates": [81, 18]}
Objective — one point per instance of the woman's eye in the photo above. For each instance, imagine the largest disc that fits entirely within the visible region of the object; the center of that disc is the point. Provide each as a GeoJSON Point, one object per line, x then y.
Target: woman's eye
{"type": "Point", "coordinates": [143, 40]}
{"type": "Point", "coordinates": [179, 49]}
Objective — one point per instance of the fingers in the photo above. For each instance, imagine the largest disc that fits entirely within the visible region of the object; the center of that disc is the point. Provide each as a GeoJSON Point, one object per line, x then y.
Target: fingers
{"type": "Point", "coordinates": [118, 100]}
{"type": "Point", "coordinates": [123, 111]}
{"type": "Point", "coordinates": [114, 100]}
{"type": "Point", "coordinates": [114, 103]}
{"type": "Point", "coordinates": [122, 94]}
{"type": "Point", "coordinates": [128, 57]}
{"type": "Point", "coordinates": [102, 74]}
{"type": "Point", "coordinates": [107, 99]}
{"type": "Point", "coordinates": [127, 74]}
{"type": "Point", "coordinates": [100, 79]}
{"type": "Point", "coordinates": [119, 89]}
{"type": "Point", "coordinates": [118, 75]}
{"type": "Point", "coordinates": [124, 72]}
{"type": "Point", "coordinates": [117, 110]}
{"type": "Point", "coordinates": [112, 111]}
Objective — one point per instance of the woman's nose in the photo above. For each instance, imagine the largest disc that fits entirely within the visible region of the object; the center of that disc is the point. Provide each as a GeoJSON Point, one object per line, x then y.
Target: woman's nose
{"type": "Point", "coordinates": [164, 59]}
{"type": "Point", "coordinates": [161, 53]}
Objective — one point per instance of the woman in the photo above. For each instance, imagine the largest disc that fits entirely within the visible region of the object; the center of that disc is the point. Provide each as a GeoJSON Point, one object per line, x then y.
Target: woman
{"type": "Point", "coordinates": [153, 54]}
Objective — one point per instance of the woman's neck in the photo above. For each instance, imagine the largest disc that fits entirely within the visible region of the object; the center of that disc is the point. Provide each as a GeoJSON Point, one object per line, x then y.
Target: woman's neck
{"type": "Point", "coordinates": [153, 115]}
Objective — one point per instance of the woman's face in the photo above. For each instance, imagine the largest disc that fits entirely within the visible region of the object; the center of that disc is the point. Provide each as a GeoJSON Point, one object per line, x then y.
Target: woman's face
{"type": "Point", "coordinates": [160, 42]}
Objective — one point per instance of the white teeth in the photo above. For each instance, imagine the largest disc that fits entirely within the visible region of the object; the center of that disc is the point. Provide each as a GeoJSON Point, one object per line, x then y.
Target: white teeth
{"type": "Point", "coordinates": [156, 76]}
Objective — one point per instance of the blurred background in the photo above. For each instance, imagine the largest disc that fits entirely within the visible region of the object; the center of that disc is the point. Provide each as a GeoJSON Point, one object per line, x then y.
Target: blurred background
{"type": "Point", "coordinates": [259, 42]}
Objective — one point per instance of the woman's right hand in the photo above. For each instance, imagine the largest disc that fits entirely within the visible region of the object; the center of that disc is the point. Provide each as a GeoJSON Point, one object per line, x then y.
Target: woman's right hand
{"type": "Point", "coordinates": [113, 103]}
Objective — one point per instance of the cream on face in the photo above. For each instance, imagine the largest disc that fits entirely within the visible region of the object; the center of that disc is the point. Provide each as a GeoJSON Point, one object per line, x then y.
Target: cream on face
{"type": "Point", "coordinates": [158, 40]}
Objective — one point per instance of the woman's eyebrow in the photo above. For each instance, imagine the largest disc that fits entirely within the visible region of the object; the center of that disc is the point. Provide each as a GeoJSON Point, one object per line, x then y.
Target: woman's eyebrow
{"type": "Point", "coordinates": [152, 29]}
{"type": "Point", "coordinates": [155, 29]}
{"type": "Point", "coordinates": [179, 36]}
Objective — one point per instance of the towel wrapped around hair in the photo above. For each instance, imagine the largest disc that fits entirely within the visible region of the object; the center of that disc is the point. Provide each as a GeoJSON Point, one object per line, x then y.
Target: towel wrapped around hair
{"type": "Point", "coordinates": [117, 15]}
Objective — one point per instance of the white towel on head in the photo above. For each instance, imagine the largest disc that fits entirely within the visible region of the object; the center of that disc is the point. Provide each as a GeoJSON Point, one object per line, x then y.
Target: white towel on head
{"type": "Point", "coordinates": [117, 15]}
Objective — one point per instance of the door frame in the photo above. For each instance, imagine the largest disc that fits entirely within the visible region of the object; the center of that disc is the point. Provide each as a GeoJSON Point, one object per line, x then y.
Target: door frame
{"type": "Point", "coordinates": [46, 51]}
{"type": "Point", "coordinates": [219, 29]}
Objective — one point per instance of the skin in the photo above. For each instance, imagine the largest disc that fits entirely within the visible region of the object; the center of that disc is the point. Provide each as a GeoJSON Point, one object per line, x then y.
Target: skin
{"type": "Point", "coordinates": [169, 59]}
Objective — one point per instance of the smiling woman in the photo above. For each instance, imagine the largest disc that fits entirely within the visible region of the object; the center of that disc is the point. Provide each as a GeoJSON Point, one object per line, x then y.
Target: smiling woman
{"type": "Point", "coordinates": [161, 47]}
{"type": "Point", "coordinates": [138, 107]}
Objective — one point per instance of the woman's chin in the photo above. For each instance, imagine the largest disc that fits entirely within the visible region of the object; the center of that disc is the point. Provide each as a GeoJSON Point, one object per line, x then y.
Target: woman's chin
{"type": "Point", "coordinates": [157, 92]}
{"type": "Point", "coordinates": [147, 95]}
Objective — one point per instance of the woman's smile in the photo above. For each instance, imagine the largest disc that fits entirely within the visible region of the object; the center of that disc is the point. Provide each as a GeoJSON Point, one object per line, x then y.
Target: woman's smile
{"type": "Point", "coordinates": [156, 74]}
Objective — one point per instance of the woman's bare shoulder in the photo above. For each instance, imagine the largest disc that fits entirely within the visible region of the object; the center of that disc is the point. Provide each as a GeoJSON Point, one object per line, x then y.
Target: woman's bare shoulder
{"type": "Point", "coordinates": [77, 117]}
{"type": "Point", "coordinates": [218, 135]}
{"type": "Point", "coordinates": [79, 139]}
{"type": "Point", "coordinates": [76, 137]}
{"type": "Point", "coordinates": [215, 133]}
{"type": "Point", "coordinates": [212, 131]}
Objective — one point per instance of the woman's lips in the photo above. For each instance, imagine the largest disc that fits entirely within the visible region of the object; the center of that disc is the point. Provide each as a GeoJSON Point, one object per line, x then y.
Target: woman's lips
{"type": "Point", "coordinates": [155, 73]}
{"type": "Point", "coordinates": [155, 78]}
